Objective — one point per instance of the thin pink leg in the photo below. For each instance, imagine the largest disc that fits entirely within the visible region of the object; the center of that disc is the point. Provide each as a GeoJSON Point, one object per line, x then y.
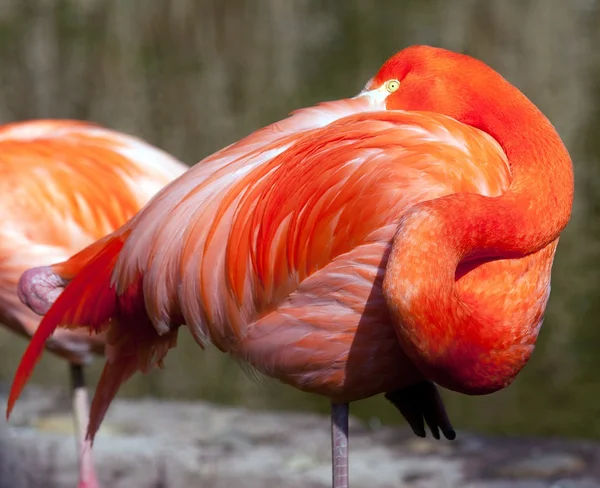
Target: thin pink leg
{"type": "Point", "coordinates": [87, 476]}
{"type": "Point", "coordinates": [339, 443]}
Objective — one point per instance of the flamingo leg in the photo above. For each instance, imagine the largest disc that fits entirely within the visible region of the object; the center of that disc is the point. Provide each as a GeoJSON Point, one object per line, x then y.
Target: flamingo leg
{"type": "Point", "coordinates": [87, 475]}
{"type": "Point", "coordinates": [339, 444]}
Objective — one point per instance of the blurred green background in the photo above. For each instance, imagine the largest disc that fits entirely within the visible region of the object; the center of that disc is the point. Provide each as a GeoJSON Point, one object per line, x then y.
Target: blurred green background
{"type": "Point", "coordinates": [191, 76]}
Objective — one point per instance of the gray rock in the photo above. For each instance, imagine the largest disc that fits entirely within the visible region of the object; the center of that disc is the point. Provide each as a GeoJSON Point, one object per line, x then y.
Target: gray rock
{"type": "Point", "coordinates": [152, 444]}
{"type": "Point", "coordinates": [544, 466]}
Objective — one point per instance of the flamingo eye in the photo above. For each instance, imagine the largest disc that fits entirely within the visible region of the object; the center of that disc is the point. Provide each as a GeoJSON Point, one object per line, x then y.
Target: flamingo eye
{"type": "Point", "coordinates": [392, 85]}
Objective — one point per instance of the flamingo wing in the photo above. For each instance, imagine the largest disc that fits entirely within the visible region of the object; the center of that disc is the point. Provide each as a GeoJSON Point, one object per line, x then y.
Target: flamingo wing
{"type": "Point", "coordinates": [228, 243]}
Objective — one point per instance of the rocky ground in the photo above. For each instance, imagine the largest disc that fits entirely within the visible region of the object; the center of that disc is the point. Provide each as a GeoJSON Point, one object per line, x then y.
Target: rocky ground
{"type": "Point", "coordinates": [152, 444]}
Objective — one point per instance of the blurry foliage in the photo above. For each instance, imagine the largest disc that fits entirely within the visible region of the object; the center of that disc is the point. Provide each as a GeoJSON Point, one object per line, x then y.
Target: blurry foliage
{"type": "Point", "coordinates": [194, 75]}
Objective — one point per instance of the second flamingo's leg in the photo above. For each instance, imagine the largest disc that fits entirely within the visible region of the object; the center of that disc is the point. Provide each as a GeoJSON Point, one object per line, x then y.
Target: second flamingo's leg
{"type": "Point", "coordinates": [87, 475]}
{"type": "Point", "coordinates": [339, 444]}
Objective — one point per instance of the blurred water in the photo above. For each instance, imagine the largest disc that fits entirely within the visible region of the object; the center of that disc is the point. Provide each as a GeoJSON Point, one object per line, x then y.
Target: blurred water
{"type": "Point", "coordinates": [193, 75]}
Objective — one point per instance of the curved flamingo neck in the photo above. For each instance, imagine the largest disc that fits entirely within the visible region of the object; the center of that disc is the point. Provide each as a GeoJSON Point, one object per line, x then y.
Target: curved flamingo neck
{"type": "Point", "coordinates": [455, 345]}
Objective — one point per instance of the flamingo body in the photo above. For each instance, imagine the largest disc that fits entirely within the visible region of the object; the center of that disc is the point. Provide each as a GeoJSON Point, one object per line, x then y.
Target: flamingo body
{"type": "Point", "coordinates": [355, 248]}
{"type": "Point", "coordinates": [63, 185]}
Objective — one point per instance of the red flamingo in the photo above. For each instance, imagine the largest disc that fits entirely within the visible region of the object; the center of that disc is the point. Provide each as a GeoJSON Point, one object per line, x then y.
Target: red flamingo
{"type": "Point", "coordinates": [358, 247]}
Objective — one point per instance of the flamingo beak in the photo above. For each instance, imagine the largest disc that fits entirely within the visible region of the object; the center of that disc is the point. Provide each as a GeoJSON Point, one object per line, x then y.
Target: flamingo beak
{"type": "Point", "coordinates": [377, 96]}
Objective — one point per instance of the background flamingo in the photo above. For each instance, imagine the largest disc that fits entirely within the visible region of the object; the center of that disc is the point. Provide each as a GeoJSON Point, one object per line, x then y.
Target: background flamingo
{"type": "Point", "coordinates": [63, 185]}
{"type": "Point", "coordinates": [358, 247]}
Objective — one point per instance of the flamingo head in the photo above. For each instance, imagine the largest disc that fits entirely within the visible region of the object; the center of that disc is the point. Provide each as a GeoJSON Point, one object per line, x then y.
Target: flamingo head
{"type": "Point", "coordinates": [424, 78]}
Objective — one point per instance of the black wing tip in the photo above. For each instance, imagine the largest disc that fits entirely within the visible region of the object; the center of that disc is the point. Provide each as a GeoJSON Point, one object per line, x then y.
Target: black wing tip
{"type": "Point", "coordinates": [422, 404]}
{"type": "Point", "coordinates": [449, 434]}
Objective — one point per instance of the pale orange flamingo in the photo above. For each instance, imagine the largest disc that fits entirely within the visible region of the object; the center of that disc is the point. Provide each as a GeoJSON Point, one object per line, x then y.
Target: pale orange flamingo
{"type": "Point", "coordinates": [357, 247]}
{"type": "Point", "coordinates": [63, 185]}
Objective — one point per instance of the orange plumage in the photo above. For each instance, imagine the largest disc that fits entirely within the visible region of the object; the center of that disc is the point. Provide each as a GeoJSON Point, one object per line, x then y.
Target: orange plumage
{"type": "Point", "coordinates": [355, 248]}
{"type": "Point", "coordinates": [63, 185]}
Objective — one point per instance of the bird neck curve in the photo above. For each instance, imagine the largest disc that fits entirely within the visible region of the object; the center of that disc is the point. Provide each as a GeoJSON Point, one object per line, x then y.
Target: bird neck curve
{"type": "Point", "coordinates": [467, 347]}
